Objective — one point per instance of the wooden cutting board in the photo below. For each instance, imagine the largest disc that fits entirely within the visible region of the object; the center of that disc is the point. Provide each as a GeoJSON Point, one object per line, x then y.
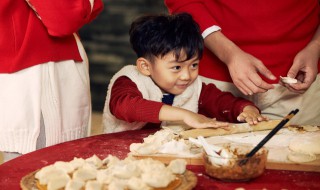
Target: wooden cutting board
{"type": "Point", "coordinates": [313, 166]}
{"type": "Point", "coordinates": [310, 166]}
{"type": "Point", "coordinates": [277, 146]}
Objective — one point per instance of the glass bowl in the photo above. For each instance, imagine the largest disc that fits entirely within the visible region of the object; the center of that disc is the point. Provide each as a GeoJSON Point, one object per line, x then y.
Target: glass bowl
{"type": "Point", "coordinates": [238, 167]}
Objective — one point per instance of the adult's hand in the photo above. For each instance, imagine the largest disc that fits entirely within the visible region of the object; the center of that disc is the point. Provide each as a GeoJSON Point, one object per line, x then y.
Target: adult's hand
{"type": "Point", "coordinates": [305, 66]}
{"type": "Point", "coordinates": [244, 68]}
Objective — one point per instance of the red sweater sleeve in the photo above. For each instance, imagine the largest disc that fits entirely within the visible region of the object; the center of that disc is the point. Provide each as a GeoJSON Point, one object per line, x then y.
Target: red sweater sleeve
{"type": "Point", "coordinates": [223, 106]}
{"type": "Point", "coordinates": [196, 8]}
{"type": "Point", "coordinates": [127, 103]}
{"type": "Point", "coordinates": [65, 17]}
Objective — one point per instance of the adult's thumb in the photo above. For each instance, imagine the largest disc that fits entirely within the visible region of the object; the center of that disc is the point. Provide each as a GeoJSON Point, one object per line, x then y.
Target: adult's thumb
{"type": "Point", "coordinates": [292, 73]}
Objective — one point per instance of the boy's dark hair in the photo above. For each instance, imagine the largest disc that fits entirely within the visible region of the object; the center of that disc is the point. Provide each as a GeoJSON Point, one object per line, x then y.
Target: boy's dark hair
{"type": "Point", "coordinates": [156, 35]}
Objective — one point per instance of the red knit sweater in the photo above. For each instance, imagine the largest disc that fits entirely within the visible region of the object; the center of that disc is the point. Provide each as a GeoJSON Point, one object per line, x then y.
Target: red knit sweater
{"type": "Point", "coordinates": [25, 40]}
{"type": "Point", "coordinates": [271, 30]}
{"type": "Point", "coordinates": [127, 103]}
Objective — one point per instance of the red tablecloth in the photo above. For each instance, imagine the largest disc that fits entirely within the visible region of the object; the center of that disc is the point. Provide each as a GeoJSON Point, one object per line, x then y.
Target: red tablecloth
{"type": "Point", "coordinates": [117, 144]}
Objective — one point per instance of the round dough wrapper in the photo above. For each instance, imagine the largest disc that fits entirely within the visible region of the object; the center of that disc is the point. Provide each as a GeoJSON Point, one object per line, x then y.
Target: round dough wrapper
{"type": "Point", "coordinates": [301, 158]}
{"type": "Point", "coordinates": [306, 144]}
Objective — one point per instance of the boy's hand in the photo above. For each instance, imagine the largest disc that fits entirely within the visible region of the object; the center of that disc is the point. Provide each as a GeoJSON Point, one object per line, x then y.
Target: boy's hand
{"type": "Point", "coordinates": [195, 120]}
{"type": "Point", "coordinates": [251, 115]}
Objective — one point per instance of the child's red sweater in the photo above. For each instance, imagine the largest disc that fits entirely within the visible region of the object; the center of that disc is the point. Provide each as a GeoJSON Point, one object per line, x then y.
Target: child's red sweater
{"type": "Point", "coordinates": [127, 103]}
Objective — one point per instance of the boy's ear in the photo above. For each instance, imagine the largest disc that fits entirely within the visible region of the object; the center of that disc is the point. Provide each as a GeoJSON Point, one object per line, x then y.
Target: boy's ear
{"type": "Point", "coordinates": [143, 66]}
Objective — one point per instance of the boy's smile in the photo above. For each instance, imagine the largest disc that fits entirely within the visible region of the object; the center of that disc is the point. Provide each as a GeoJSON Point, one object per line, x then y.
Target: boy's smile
{"type": "Point", "coordinates": [174, 76]}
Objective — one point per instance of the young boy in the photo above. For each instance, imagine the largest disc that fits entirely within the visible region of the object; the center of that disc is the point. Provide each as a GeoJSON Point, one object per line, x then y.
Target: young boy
{"type": "Point", "coordinates": [164, 84]}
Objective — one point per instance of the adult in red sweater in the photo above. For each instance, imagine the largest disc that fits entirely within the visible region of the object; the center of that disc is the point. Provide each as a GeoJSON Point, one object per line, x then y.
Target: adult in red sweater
{"type": "Point", "coordinates": [164, 85]}
{"type": "Point", "coordinates": [250, 44]}
{"type": "Point", "coordinates": [45, 93]}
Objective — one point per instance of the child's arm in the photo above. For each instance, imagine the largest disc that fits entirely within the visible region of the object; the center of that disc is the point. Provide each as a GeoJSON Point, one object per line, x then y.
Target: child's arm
{"type": "Point", "coordinates": [251, 115]}
{"type": "Point", "coordinates": [127, 103]}
{"type": "Point", "coordinates": [225, 107]}
{"type": "Point", "coordinates": [171, 113]}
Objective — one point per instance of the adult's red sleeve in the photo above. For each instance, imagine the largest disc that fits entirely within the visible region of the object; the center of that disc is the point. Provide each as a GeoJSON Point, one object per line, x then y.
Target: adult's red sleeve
{"type": "Point", "coordinates": [223, 106]}
{"type": "Point", "coordinates": [62, 17]}
{"type": "Point", "coordinates": [196, 8]}
{"type": "Point", "coordinates": [127, 103]}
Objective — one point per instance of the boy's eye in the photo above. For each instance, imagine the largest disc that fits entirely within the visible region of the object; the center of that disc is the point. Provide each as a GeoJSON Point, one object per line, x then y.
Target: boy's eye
{"type": "Point", "coordinates": [176, 67]}
{"type": "Point", "coordinates": [195, 65]}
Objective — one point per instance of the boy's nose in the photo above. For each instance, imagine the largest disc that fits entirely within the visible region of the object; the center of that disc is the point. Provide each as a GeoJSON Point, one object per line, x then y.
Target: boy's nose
{"type": "Point", "coordinates": [185, 75]}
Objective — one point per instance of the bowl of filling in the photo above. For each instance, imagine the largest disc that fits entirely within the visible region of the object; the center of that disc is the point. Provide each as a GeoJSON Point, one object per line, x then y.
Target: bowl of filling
{"type": "Point", "coordinates": [228, 162]}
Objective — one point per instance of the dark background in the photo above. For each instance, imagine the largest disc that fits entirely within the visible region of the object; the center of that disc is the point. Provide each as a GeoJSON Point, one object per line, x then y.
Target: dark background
{"type": "Point", "coordinates": [106, 41]}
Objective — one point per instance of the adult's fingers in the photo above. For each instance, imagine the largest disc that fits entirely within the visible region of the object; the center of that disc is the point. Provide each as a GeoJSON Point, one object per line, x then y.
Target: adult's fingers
{"type": "Point", "coordinates": [253, 84]}
{"type": "Point", "coordinates": [260, 83]}
{"type": "Point", "coordinates": [244, 89]}
{"type": "Point", "coordinates": [299, 88]}
{"type": "Point", "coordinates": [261, 68]}
{"type": "Point", "coordinates": [303, 84]}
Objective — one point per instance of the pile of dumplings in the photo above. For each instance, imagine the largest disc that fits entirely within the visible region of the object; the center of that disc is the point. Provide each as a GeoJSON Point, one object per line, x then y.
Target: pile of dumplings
{"type": "Point", "coordinates": [110, 173]}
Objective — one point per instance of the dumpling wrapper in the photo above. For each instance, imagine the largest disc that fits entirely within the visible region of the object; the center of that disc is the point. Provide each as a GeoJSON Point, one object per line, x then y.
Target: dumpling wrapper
{"type": "Point", "coordinates": [93, 185]}
{"type": "Point", "coordinates": [47, 173]}
{"type": "Point", "coordinates": [158, 178]}
{"type": "Point", "coordinates": [305, 144]}
{"type": "Point", "coordinates": [74, 184]}
{"type": "Point", "coordinates": [288, 80]}
{"type": "Point", "coordinates": [58, 182]}
{"type": "Point", "coordinates": [85, 174]}
{"type": "Point", "coordinates": [135, 183]}
{"type": "Point", "coordinates": [178, 166]}
{"type": "Point", "coordinates": [301, 158]}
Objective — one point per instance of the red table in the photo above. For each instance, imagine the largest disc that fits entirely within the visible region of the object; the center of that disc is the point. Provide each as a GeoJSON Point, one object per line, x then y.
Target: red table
{"type": "Point", "coordinates": [117, 144]}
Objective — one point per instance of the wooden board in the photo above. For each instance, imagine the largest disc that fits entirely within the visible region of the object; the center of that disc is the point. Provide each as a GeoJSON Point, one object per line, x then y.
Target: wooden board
{"type": "Point", "coordinates": [310, 166]}
{"type": "Point", "coordinates": [277, 158]}
{"type": "Point", "coordinates": [165, 158]}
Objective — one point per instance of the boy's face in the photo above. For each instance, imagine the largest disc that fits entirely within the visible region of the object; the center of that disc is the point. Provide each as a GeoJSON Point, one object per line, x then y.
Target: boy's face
{"type": "Point", "coordinates": [173, 76]}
